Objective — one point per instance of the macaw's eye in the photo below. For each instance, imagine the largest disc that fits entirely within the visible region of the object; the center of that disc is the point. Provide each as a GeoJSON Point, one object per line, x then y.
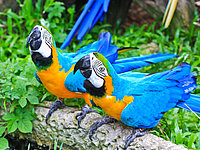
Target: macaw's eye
{"type": "Point", "coordinates": [101, 69]}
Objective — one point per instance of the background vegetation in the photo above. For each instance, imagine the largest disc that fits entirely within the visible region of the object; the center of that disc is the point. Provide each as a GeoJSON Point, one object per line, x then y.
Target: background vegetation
{"type": "Point", "coordinates": [20, 92]}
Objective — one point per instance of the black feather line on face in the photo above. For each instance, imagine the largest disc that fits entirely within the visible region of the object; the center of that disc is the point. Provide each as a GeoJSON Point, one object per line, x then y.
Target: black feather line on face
{"type": "Point", "coordinates": [40, 61]}
{"type": "Point", "coordinates": [92, 90]}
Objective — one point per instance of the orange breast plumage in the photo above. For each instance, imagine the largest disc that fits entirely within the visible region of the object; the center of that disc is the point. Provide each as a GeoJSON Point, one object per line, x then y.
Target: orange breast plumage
{"type": "Point", "coordinates": [111, 106]}
{"type": "Point", "coordinates": [53, 79]}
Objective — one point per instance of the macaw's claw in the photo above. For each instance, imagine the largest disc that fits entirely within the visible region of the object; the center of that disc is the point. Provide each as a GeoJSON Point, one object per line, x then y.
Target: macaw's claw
{"type": "Point", "coordinates": [100, 122]}
{"type": "Point", "coordinates": [59, 103]}
{"type": "Point", "coordinates": [136, 133]}
{"type": "Point", "coordinates": [85, 110]}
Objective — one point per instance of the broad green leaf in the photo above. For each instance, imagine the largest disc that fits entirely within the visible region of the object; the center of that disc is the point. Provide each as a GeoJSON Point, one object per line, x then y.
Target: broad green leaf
{"type": "Point", "coordinates": [12, 125]}
{"type": "Point", "coordinates": [3, 144]}
{"type": "Point", "coordinates": [2, 130]}
{"type": "Point", "coordinates": [9, 116]}
{"type": "Point", "coordinates": [25, 126]}
{"type": "Point", "coordinates": [28, 115]}
{"type": "Point", "coordinates": [33, 99]}
{"type": "Point", "coordinates": [32, 91]}
{"type": "Point", "coordinates": [23, 102]}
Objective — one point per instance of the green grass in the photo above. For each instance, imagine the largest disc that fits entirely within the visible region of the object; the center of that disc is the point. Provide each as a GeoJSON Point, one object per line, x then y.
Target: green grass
{"type": "Point", "coordinates": [17, 70]}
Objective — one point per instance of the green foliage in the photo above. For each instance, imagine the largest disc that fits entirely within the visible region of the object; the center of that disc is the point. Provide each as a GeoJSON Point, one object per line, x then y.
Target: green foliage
{"type": "Point", "coordinates": [19, 119]}
{"type": "Point", "coordinates": [13, 39]}
{"type": "Point", "coordinates": [4, 143]}
{"type": "Point", "coordinates": [20, 92]}
{"type": "Point", "coordinates": [181, 127]}
{"type": "Point", "coordinates": [56, 145]}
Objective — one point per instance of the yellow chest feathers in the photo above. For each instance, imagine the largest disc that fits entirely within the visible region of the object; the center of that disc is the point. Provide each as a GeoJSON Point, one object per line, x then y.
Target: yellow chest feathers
{"type": "Point", "coordinates": [53, 79]}
{"type": "Point", "coordinates": [110, 104]}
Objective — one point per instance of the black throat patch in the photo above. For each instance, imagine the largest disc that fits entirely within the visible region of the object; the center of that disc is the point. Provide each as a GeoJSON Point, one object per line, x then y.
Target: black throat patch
{"type": "Point", "coordinates": [99, 92]}
{"type": "Point", "coordinates": [41, 61]}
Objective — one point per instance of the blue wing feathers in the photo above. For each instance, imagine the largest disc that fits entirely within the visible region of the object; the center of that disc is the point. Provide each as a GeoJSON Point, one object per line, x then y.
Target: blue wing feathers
{"type": "Point", "coordinates": [159, 93]}
{"type": "Point", "coordinates": [104, 47]}
{"type": "Point", "coordinates": [76, 25]}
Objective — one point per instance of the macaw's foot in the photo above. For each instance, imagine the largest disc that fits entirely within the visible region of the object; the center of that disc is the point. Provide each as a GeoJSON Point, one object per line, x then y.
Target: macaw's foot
{"type": "Point", "coordinates": [59, 103]}
{"type": "Point", "coordinates": [136, 133]}
{"type": "Point", "coordinates": [100, 122]}
{"type": "Point", "coordinates": [85, 110]}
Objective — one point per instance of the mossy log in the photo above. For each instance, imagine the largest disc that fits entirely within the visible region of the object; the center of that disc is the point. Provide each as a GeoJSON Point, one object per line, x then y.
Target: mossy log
{"type": "Point", "coordinates": [63, 126]}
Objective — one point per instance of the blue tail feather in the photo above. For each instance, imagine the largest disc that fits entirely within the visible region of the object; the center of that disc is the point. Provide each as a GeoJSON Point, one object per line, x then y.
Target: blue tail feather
{"type": "Point", "coordinates": [97, 17]}
{"type": "Point", "coordinates": [193, 103]}
{"type": "Point", "coordinates": [87, 22]}
{"type": "Point", "coordinates": [187, 82]}
{"type": "Point", "coordinates": [127, 64]}
{"type": "Point", "coordinates": [154, 58]}
{"type": "Point", "coordinates": [93, 11]}
{"type": "Point", "coordinates": [76, 25]}
{"type": "Point", "coordinates": [105, 5]}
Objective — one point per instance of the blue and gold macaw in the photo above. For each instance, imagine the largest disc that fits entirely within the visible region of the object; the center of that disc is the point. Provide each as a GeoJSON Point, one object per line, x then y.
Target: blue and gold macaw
{"type": "Point", "coordinates": [95, 10]}
{"type": "Point", "coordinates": [55, 69]}
{"type": "Point", "coordinates": [138, 101]}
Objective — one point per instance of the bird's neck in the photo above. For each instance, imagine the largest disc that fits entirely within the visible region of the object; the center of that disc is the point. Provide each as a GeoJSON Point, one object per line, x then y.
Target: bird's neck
{"type": "Point", "coordinates": [40, 61]}
{"type": "Point", "coordinates": [43, 63]}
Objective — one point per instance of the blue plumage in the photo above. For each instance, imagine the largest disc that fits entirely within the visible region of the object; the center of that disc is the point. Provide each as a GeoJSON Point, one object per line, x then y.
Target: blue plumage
{"type": "Point", "coordinates": [157, 93]}
{"type": "Point", "coordinates": [193, 102]}
{"type": "Point", "coordinates": [93, 11]}
{"type": "Point", "coordinates": [138, 99]}
{"type": "Point", "coordinates": [74, 83]}
{"type": "Point", "coordinates": [137, 62]}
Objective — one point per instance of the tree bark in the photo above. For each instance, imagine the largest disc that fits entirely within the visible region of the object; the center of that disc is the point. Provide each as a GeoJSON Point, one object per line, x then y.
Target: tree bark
{"type": "Point", "coordinates": [118, 9]}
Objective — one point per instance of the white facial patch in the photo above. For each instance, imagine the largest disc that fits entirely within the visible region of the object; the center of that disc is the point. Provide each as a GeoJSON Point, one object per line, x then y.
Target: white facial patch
{"type": "Point", "coordinates": [47, 42]}
{"type": "Point", "coordinates": [95, 80]}
{"type": "Point", "coordinates": [99, 71]}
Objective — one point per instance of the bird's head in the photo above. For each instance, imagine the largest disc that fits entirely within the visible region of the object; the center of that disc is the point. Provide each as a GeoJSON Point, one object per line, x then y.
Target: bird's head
{"type": "Point", "coordinates": [97, 71]}
{"type": "Point", "coordinates": [40, 42]}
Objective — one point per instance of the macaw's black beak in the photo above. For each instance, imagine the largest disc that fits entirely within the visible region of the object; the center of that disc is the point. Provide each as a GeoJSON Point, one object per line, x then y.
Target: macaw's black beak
{"type": "Point", "coordinates": [34, 39]}
{"type": "Point", "coordinates": [84, 65]}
